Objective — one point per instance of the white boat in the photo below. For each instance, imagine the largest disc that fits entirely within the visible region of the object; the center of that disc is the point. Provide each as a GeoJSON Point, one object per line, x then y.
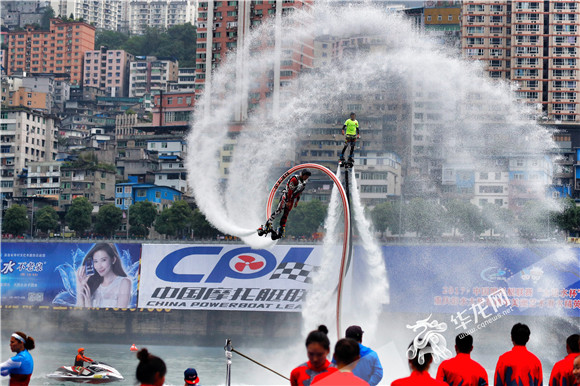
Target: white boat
{"type": "Point", "coordinates": [96, 372]}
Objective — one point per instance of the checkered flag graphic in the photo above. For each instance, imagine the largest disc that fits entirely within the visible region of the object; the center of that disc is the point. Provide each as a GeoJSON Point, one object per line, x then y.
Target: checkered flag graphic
{"type": "Point", "coordinates": [294, 271]}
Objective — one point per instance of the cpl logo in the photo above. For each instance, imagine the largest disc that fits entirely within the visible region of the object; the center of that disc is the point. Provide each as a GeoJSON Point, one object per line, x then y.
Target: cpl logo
{"type": "Point", "coordinates": [238, 263]}
{"type": "Point", "coordinates": [247, 263]}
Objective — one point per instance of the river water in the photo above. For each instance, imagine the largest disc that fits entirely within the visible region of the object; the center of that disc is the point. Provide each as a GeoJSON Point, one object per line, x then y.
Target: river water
{"type": "Point", "coordinates": [209, 362]}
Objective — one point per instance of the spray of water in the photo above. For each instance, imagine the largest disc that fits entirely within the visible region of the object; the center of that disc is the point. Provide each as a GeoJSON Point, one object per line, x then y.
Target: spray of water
{"type": "Point", "coordinates": [320, 306]}
{"type": "Point", "coordinates": [372, 292]}
{"type": "Point", "coordinates": [448, 111]}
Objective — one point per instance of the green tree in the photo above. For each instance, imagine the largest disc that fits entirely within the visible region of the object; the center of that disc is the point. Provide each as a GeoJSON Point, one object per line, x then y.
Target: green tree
{"type": "Point", "coordinates": [111, 39]}
{"type": "Point", "coordinates": [46, 16]}
{"type": "Point", "coordinates": [46, 219]}
{"type": "Point", "coordinates": [386, 216]}
{"type": "Point", "coordinates": [567, 219]}
{"type": "Point", "coordinates": [78, 215]}
{"type": "Point", "coordinates": [534, 220]}
{"type": "Point", "coordinates": [306, 218]}
{"type": "Point", "coordinates": [201, 227]}
{"type": "Point", "coordinates": [108, 220]}
{"type": "Point", "coordinates": [425, 218]}
{"type": "Point", "coordinates": [142, 215]}
{"type": "Point", "coordinates": [177, 42]}
{"type": "Point", "coordinates": [465, 218]}
{"type": "Point", "coordinates": [15, 220]}
{"type": "Point", "coordinates": [175, 220]}
{"type": "Point", "coordinates": [497, 219]}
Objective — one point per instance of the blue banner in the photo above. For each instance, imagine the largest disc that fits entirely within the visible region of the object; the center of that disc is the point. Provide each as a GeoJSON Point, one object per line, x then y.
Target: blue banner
{"type": "Point", "coordinates": [99, 275]}
{"type": "Point", "coordinates": [465, 279]}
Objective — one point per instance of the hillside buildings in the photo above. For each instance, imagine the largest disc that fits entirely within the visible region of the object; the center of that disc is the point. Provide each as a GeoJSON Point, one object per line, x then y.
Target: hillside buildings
{"type": "Point", "coordinates": [59, 51]}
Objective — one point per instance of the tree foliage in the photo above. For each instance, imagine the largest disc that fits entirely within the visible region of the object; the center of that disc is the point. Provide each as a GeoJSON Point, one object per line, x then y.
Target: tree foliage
{"type": "Point", "coordinates": [201, 227]}
{"type": "Point", "coordinates": [306, 218]}
{"type": "Point", "coordinates": [386, 216]}
{"type": "Point", "coordinates": [178, 41]}
{"type": "Point", "coordinates": [108, 220]}
{"type": "Point", "coordinates": [465, 218]}
{"type": "Point", "coordinates": [78, 216]}
{"type": "Point", "coordinates": [142, 215]}
{"type": "Point", "coordinates": [46, 16]}
{"type": "Point", "coordinates": [46, 219]}
{"type": "Point", "coordinates": [15, 221]}
{"type": "Point", "coordinates": [425, 218]}
{"type": "Point", "coordinates": [175, 220]}
{"type": "Point", "coordinates": [568, 219]}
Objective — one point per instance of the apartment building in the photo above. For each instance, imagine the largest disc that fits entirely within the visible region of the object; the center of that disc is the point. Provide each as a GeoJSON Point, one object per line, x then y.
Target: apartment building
{"type": "Point", "coordinates": [108, 70]}
{"type": "Point", "coordinates": [58, 51]}
{"type": "Point", "coordinates": [25, 136]}
{"type": "Point", "coordinates": [534, 44]}
{"type": "Point", "coordinates": [151, 75]}
{"type": "Point", "coordinates": [224, 25]}
{"type": "Point", "coordinates": [162, 14]}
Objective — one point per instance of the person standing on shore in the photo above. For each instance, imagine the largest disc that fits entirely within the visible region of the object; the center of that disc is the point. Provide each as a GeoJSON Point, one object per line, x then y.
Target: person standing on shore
{"type": "Point", "coordinates": [21, 365]}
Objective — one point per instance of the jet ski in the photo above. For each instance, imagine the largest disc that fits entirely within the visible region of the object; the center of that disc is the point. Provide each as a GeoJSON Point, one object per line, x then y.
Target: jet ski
{"type": "Point", "coordinates": [96, 372]}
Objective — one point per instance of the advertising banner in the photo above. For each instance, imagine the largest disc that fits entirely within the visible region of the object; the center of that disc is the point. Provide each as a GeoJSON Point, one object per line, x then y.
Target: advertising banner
{"type": "Point", "coordinates": [467, 280]}
{"type": "Point", "coordinates": [98, 275]}
{"type": "Point", "coordinates": [226, 277]}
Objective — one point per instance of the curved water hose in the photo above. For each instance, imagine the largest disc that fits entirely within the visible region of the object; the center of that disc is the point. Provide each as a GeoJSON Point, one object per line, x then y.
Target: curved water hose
{"type": "Point", "coordinates": [346, 246]}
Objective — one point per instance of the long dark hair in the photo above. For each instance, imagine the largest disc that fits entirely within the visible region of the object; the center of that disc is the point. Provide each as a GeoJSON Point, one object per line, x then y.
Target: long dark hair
{"type": "Point", "coordinates": [116, 265]}
{"type": "Point", "coordinates": [149, 365]}
{"type": "Point", "coordinates": [28, 340]}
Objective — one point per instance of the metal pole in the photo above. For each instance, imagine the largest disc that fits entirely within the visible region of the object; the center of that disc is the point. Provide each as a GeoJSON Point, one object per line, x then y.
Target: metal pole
{"type": "Point", "coordinates": [128, 211]}
{"type": "Point", "coordinates": [228, 349]}
{"type": "Point", "coordinates": [401, 213]}
{"type": "Point", "coordinates": [32, 219]}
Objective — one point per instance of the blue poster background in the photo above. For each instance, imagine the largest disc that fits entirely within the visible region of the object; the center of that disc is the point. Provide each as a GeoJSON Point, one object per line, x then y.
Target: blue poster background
{"type": "Point", "coordinates": [45, 273]}
{"type": "Point", "coordinates": [449, 279]}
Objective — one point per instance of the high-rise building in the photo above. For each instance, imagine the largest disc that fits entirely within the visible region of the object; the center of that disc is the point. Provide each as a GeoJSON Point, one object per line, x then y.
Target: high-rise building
{"type": "Point", "coordinates": [532, 43]}
{"type": "Point", "coordinates": [58, 51]}
{"type": "Point", "coordinates": [150, 75]}
{"type": "Point", "coordinates": [108, 70]}
{"type": "Point", "coordinates": [160, 14]}
{"type": "Point", "coordinates": [223, 26]}
{"type": "Point", "coordinates": [27, 136]}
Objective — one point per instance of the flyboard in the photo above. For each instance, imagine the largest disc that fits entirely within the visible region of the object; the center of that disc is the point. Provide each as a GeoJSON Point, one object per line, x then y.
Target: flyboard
{"type": "Point", "coordinates": [347, 243]}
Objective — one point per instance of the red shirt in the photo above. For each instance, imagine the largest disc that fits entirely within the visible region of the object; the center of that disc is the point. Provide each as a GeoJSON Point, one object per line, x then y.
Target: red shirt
{"type": "Point", "coordinates": [305, 373]}
{"type": "Point", "coordinates": [518, 367]}
{"type": "Point", "coordinates": [338, 378]}
{"type": "Point", "coordinates": [418, 378]}
{"type": "Point", "coordinates": [462, 370]}
{"type": "Point", "coordinates": [562, 372]}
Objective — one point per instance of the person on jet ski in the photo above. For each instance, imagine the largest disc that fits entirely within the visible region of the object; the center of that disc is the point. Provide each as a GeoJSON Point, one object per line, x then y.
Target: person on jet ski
{"type": "Point", "coordinates": [80, 359]}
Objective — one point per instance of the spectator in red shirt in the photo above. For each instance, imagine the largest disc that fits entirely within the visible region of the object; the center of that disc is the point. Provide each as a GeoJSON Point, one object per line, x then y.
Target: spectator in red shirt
{"type": "Point", "coordinates": [518, 366]}
{"type": "Point", "coordinates": [562, 372]}
{"type": "Point", "coordinates": [346, 355]}
{"type": "Point", "coordinates": [317, 349]}
{"type": "Point", "coordinates": [420, 371]}
{"type": "Point", "coordinates": [576, 371]}
{"type": "Point", "coordinates": [462, 370]}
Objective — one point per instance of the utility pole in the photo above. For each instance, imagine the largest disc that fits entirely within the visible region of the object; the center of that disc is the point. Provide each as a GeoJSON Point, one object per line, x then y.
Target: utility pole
{"type": "Point", "coordinates": [128, 211]}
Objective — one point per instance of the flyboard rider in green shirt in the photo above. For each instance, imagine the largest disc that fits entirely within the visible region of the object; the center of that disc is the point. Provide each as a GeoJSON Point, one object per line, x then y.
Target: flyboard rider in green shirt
{"type": "Point", "coordinates": [352, 133]}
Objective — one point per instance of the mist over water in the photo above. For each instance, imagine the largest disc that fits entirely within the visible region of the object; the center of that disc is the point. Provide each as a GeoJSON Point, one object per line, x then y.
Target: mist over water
{"type": "Point", "coordinates": [468, 118]}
